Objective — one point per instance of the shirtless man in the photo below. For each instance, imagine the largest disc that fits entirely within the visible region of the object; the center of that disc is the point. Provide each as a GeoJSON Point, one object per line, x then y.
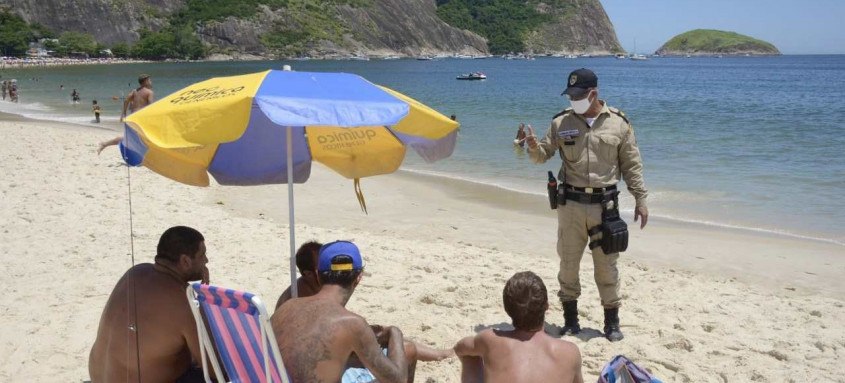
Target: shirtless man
{"type": "Point", "coordinates": [138, 98]}
{"type": "Point", "coordinates": [308, 285]}
{"type": "Point", "coordinates": [135, 101]}
{"type": "Point", "coordinates": [306, 261]}
{"type": "Point", "coordinates": [317, 335]}
{"type": "Point", "coordinates": [525, 354]}
{"type": "Point", "coordinates": [169, 348]}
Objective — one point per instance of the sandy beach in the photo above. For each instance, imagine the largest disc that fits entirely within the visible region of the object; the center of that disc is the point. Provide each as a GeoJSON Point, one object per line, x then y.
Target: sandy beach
{"type": "Point", "coordinates": [702, 304]}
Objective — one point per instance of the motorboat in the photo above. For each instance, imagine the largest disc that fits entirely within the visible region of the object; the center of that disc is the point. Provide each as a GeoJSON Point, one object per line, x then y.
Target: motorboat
{"type": "Point", "coordinates": [472, 76]}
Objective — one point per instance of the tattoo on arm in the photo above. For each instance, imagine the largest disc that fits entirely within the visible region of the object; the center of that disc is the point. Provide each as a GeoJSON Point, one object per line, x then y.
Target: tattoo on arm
{"type": "Point", "coordinates": [392, 369]}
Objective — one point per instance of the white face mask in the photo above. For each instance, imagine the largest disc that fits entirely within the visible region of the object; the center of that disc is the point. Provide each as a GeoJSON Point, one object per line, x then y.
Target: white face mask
{"type": "Point", "coordinates": [581, 106]}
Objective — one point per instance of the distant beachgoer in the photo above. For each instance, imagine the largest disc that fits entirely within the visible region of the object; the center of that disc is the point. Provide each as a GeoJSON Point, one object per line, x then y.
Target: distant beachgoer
{"type": "Point", "coordinates": [13, 93]}
{"type": "Point", "coordinates": [520, 136]}
{"type": "Point", "coordinates": [317, 335]}
{"type": "Point", "coordinates": [309, 285]}
{"type": "Point", "coordinates": [135, 101]}
{"type": "Point", "coordinates": [148, 304]}
{"type": "Point", "coordinates": [74, 96]}
{"type": "Point", "coordinates": [526, 353]}
{"type": "Point", "coordinates": [453, 117]}
{"type": "Point", "coordinates": [96, 109]}
{"type": "Point", "coordinates": [62, 87]}
{"type": "Point", "coordinates": [5, 89]}
{"type": "Point", "coordinates": [139, 97]}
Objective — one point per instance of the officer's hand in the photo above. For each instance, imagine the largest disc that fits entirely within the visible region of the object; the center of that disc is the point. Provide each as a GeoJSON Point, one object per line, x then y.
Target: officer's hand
{"type": "Point", "coordinates": [530, 137]}
{"type": "Point", "coordinates": [641, 212]}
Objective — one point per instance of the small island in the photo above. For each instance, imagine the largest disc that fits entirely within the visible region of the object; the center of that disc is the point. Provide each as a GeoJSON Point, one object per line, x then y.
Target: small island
{"type": "Point", "coordinates": [708, 42]}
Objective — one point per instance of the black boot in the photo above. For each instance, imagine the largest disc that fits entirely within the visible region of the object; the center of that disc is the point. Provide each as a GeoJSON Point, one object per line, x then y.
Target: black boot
{"type": "Point", "coordinates": [570, 318]}
{"type": "Point", "coordinates": [611, 325]}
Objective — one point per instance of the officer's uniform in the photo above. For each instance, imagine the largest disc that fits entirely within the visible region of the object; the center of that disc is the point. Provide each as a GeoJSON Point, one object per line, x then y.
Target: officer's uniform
{"type": "Point", "coordinates": [593, 159]}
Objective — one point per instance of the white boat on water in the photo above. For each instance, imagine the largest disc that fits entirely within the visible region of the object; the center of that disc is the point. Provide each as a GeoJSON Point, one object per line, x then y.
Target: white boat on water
{"type": "Point", "coordinates": [570, 56]}
{"type": "Point", "coordinates": [621, 56]}
{"type": "Point", "coordinates": [472, 76]}
{"type": "Point", "coordinates": [638, 57]}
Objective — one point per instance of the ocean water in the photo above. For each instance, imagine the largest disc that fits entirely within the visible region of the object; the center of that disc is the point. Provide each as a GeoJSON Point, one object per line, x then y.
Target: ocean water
{"type": "Point", "coordinates": [753, 143]}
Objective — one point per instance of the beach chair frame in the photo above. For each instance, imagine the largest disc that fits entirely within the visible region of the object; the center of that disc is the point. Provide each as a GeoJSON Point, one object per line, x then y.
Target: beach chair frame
{"type": "Point", "coordinates": [207, 351]}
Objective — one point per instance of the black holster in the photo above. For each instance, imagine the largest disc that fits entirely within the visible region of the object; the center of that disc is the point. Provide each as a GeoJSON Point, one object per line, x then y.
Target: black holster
{"type": "Point", "coordinates": [614, 231]}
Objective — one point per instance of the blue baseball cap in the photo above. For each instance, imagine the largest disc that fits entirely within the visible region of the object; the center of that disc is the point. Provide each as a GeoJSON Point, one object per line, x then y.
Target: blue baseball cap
{"type": "Point", "coordinates": [340, 256]}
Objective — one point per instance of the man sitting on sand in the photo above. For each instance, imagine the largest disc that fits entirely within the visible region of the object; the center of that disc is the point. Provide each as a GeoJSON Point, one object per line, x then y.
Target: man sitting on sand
{"type": "Point", "coordinates": [525, 354]}
{"type": "Point", "coordinates": [153, 336]}
{"type": "Point", "coordinates": [317, 334]}
{"type": "Point", "coordinates": [306, 261]}
{"type": "Point", "coordinates": [308, 285]}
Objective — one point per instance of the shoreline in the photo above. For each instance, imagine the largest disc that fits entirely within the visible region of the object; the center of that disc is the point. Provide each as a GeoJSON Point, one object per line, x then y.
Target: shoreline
{"type": "Point", "coordinates": [438, 177]}
{"type": "Point", "coordinates": [434, 176]}
{"type": "Point", "coordinates": [27, 63]}
{"type": "Point", "coordinates": [437, 256]}
{"type": "Point", "coordinates": [529, 209]}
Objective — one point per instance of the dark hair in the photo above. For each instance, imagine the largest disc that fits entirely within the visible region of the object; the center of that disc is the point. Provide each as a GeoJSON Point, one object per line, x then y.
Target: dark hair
{"type": "Point", "coordinates": [306, 255]}
{"type": "Point", "coordinates": [94, 101]}
{"type": "Point", "coordinates": [178, 240]}
{"type": "Point", "coordinates": [526, 300]}
{"type": "Point", "coordinates": [143, 78]}
{"type": "Point", "coordinates": [343, 279]}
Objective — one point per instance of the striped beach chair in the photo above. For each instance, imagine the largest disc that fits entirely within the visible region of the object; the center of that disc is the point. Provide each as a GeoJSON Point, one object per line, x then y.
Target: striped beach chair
{"type": "Point", "coordinates": [240, 332]}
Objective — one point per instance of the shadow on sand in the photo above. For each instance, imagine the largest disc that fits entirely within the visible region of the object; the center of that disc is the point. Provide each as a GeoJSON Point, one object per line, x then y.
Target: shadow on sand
{"type": "Point", "coordinates": [552, 330]}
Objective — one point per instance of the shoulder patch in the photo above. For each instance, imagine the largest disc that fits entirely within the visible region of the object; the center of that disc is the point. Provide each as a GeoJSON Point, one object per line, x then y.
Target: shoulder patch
{"type": "Point", "coordinates": [620, 114]}
{"type": "Point", "coordinates": [564, 112]}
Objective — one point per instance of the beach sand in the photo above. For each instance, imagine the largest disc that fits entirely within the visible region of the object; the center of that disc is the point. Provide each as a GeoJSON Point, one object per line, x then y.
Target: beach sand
{"type": "Point", "coordinates": [701, 304]}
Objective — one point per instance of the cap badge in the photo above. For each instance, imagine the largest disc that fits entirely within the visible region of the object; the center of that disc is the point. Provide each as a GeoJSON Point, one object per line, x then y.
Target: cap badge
{"type": "Point", "coordinates": [573, 79]}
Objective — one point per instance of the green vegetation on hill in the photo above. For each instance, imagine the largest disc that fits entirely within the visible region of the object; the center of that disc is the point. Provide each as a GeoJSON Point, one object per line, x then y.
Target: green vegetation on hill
{"type": "Point", "coordinates": [16, 34]}
{"type": "Point", "coordinates": [707, 41]}
{"type": "Point", "coordinates": [310, 21]}
{"type": "Point", "coordinates": [504, 23]}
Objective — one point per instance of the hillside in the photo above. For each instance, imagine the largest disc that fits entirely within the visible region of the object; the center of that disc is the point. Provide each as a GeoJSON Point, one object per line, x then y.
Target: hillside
{"type": "Point", "coordinates": [712, 42]}
{"type": "Point", "coordinates": [535, 26]}
{"type": "Point", "coordinates": [323, 28]}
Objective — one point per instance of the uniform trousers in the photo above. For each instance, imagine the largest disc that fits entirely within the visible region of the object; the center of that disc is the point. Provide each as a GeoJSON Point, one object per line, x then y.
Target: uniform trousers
{"type": "Point", "coordinates": [574, 220]}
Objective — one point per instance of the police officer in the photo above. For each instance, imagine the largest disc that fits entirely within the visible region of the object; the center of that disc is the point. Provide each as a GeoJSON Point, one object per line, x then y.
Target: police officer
{"type": "Point", "coordinates": [597, 145]}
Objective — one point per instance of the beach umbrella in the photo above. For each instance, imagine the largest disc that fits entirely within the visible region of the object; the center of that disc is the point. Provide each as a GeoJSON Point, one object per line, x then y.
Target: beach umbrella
{"type": "Point", "coordinates": [267, 127]}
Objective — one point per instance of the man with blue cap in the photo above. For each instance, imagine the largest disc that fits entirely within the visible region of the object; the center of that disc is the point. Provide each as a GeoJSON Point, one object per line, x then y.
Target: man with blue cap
{"type": "Point", "coordinates": [317, 335]}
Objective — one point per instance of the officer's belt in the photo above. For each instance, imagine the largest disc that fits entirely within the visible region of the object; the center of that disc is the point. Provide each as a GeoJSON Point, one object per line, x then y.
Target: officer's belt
{"type": "Point", "coordinates": [591, 190]}
{"type": "Point", "coordinates": [596, 195]}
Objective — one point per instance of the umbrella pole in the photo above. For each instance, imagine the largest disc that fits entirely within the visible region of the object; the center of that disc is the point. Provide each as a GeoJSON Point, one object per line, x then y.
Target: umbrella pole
{"type": "Point", "coordinates": [293, 287]}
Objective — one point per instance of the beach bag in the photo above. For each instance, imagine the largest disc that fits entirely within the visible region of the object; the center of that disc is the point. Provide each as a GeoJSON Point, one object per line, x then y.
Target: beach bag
{"type": "Point", "coordinates": [621, 370]}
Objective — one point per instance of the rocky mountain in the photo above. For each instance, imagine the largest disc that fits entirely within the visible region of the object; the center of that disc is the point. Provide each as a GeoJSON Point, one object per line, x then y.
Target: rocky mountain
{"type": "Point", "coordinates": [317, 28]}
{"type": "Point", "coordinates": [706, 42]}
{"type": "Point", "coordinates": [581, 27]}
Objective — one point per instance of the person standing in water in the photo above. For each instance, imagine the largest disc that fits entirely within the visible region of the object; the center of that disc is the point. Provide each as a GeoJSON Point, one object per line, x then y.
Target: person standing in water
{"type": "Point", "coordinates": [96, 109]}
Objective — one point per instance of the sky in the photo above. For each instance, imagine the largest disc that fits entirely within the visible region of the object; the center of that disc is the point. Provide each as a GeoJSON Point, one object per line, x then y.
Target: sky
{"type": "Point", "coordinates": [793, 26]}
